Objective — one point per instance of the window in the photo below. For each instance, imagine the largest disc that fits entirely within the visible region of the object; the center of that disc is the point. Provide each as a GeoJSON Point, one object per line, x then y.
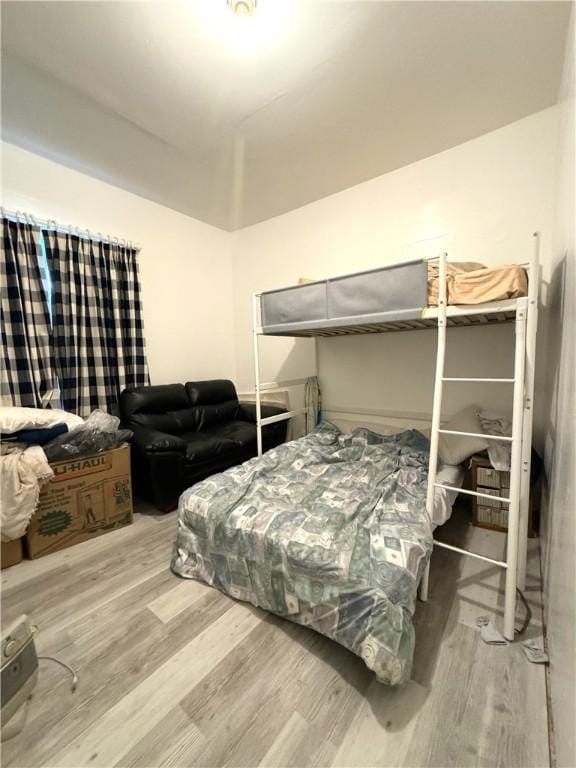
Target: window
{"type": "Point", "coordinates": [45, 273]}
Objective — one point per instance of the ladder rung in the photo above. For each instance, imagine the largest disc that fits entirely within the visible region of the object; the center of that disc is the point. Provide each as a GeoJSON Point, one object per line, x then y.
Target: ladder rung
{"type": "Point", "coordinates": [475, 434]}
{"type": "Point", "coordinates": [472, 493]}
{"type": "Point", "coordinates": [441, 544]}
{"type": "Point", "coordinates": [460, 378]}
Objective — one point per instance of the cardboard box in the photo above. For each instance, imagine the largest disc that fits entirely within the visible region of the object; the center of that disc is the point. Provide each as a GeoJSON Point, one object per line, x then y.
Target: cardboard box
{"type": "Point", "coordinates": [86, 498]}
{"type": "Point", "coordinates": [11, 552]}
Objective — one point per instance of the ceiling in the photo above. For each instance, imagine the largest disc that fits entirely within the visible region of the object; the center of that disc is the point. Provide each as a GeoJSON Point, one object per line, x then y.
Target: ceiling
{"type": "Point", "coordinates": [235, 120]}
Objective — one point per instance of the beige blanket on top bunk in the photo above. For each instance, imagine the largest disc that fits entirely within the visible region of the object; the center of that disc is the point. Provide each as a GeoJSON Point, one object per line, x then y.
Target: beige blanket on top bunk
{"type": "Point", "coordinates": [472, 283]}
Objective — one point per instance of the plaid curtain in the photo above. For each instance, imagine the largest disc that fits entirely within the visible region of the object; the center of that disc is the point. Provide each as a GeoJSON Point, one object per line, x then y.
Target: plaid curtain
{"type": "Point", "coordinates": [27, 374]}
{"type": "Point", "coordinates": [97, 321]}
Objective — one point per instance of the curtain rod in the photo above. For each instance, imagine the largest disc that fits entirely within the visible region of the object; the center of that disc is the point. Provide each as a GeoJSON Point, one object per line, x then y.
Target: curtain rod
{"type": "Point", "coordinates": [54, 226]}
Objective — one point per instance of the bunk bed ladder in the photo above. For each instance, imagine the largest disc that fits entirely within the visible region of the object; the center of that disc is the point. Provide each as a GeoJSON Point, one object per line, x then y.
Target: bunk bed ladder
{"type": "Point", "coordinates": [437, 407]}
{"type": "Point", "coordinates": [523, 383]}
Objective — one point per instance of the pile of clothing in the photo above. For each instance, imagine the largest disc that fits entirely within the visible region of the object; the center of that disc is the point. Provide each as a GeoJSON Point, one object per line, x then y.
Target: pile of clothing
{"type": "Point", "coordinates": [32, 437]}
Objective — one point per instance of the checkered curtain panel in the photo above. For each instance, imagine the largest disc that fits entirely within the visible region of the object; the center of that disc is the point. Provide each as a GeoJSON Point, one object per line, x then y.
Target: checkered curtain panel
{"type": "Point", "coordinates": [27, 374]}
{"type": "Point", "coordinates": [97, 321]}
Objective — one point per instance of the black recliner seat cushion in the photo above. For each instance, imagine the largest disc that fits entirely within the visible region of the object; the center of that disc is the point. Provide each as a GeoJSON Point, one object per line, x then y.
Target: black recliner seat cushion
{"type": "Point", "coordinates": [206, 445]}
{"type": "Point", "coordinates": [240, 433]}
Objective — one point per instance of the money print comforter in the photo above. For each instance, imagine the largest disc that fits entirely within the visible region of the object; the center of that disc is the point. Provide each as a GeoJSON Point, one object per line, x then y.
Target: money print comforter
{"type": "Point", "coordinates": [329, 531]}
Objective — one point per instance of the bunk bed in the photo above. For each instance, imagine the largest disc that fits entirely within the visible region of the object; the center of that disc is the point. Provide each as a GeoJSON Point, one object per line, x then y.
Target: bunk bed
{"type": "Point", "coordinates": [244, 531]}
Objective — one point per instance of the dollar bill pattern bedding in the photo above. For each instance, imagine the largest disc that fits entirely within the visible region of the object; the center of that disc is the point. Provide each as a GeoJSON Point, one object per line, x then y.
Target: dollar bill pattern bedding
{"type": "Point", "coordinates": [329, 531]}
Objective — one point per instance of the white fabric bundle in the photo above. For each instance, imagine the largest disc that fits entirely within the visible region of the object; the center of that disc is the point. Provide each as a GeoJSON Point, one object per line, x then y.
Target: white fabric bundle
{"type": "Point", "coordinates": [15, 418]}
{"type": "Point", "coordinates": [22, 472]}
{"type": "Point", "coordinates": [499, 451]}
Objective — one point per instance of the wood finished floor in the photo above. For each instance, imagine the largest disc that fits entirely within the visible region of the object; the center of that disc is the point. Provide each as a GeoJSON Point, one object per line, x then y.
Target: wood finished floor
{"type": "Point", "coordinates": [173, 673]}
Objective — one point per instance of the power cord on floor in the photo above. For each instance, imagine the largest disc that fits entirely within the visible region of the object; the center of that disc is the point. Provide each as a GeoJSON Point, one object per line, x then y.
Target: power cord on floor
{"type": "Point", "coordinates": [66, 666]}
{"type": "Point", "coordinates": [528, 614]}
{"type": "Point", "coordinates": [493, 636]}
{"type": "Point", "coordinates": [58, 661]}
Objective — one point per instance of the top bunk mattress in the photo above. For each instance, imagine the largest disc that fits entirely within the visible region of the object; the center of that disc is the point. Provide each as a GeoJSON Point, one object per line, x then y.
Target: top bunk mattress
{"type": "Point", "coordinates": [393, 294]}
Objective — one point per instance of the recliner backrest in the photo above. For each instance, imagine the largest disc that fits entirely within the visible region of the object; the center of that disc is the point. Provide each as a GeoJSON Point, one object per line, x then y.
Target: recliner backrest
{"type": "Point", "coordinates": [164, 407]}
{"type": "Point", "coordinates": [214, 402]}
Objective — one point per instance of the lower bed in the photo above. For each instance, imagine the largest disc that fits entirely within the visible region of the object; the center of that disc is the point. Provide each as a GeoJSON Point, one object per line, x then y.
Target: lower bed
{"type": "Point", "coordinates": [329, 531]}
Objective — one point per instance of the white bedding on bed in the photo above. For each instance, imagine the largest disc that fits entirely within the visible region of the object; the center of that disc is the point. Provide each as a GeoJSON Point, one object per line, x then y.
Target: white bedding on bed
{"type": "Point", "coordinates": [444, 499]}
{"type": "Point", "coordinates": [447, 473]}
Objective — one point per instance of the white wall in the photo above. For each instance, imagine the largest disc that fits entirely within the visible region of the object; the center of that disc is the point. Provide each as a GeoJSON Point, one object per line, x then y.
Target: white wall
{"type": "Point", "coordinates": [185, 265]}
{"type": "Point", "coordinates": [481, 201]}
{"type": "Point", "coordinates": [559, 545]}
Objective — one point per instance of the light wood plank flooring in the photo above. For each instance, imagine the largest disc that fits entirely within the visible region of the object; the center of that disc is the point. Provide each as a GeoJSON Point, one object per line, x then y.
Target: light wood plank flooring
{"type": "Point", "coordinates": [173, 673]}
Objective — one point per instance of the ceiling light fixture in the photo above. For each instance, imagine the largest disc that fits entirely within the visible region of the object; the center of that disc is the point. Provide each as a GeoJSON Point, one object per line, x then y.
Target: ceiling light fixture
{"type": "Point", "coordinates": [242, 7]}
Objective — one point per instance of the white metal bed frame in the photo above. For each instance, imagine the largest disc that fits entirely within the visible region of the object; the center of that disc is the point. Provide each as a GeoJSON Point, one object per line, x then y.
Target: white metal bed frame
{"type": "Point", "coordinates": [525, 313]}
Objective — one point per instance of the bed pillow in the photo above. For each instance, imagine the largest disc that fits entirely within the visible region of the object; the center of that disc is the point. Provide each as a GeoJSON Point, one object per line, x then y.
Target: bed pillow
{"type": "Point", "coordinates": [454, 449]}
{"type": "Point", "coordinates": [349, 425]}
{"type": "Point", "coordinates": [15, 418]}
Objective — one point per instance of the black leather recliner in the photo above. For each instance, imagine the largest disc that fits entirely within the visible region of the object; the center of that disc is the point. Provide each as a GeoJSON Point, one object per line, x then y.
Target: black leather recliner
{"type": "Point", "coordinates": [183, 434]}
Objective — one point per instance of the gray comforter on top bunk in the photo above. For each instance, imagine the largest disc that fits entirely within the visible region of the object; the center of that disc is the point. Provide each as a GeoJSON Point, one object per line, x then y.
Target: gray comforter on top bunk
{"type": "Point", "coordinates": [329, 531]}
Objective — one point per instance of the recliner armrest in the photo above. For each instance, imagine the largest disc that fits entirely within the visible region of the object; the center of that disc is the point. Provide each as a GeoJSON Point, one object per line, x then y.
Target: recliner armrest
{"type": "Point", "coordinates": [247, 411]}
{"type": "Point", "coordinates": [152, 441]}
